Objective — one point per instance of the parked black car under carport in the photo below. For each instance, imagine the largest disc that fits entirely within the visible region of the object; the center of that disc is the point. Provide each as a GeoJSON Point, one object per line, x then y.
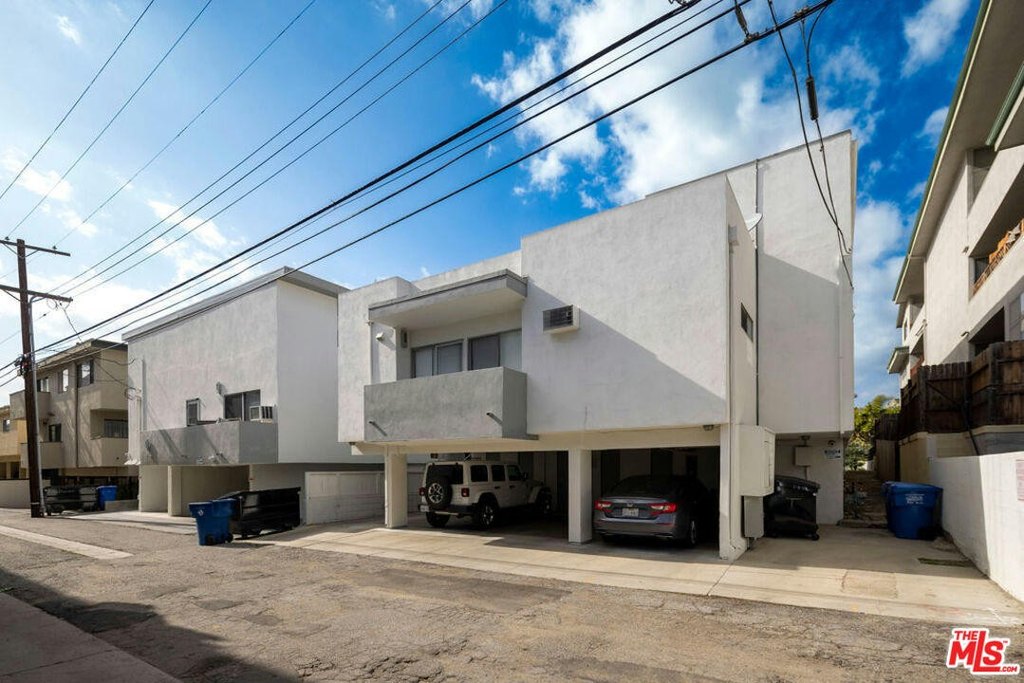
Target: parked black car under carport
{"type": "Point", "coordinates": [671, 507]}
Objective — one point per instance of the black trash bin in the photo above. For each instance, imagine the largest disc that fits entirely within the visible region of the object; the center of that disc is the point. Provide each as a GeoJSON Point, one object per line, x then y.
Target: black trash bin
{"type": "Point", "coordinates": [269, 509]}
{"type": "Point", "coordinates": [792, 510]}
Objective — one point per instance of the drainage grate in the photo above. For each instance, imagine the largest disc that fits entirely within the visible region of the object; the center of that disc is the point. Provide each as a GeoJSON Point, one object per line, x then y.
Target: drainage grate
{"type": "Point", "coordinates": [945, 563]}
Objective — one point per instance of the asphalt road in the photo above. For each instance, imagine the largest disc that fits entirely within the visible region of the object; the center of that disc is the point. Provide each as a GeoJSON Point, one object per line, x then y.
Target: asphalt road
{"type": "Point", "coordinates": [246, 612]}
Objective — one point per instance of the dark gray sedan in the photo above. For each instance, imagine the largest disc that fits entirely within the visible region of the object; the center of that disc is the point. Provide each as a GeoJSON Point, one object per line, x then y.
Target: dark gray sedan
{"type": "Point", "coordinates": [671, 507]}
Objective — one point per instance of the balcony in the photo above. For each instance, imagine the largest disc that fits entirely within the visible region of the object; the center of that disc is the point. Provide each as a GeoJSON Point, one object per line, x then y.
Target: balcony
{"type": "Point", "coordinates": [475, 405]}
{"type": "Point", "coordinates": [18, 404]}
{"type": "Point", "coordinates": [51, 455]}
{"type": "Point", "coordinates": [476, 297]}
{"type": "Point", "coordinates": [106, 451]}
{"type": "Point", "coordinates": [231, 442]}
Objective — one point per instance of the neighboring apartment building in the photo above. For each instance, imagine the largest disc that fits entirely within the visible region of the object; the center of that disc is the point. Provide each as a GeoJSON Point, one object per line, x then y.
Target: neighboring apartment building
{"type": "Point", "coordinates": [239, 391]}
{"type": "Point", "coordinates": [706, 329]}
{"type": "Point", "coordinates": [10, 459]}
{"type": "Point", "coordinates": [961, 297]}
{"type": "Point", "coordinates": [83, 416]}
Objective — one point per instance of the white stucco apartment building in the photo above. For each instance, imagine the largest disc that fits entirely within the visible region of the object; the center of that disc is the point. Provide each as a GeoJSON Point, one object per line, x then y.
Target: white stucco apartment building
{"type": "Point", "coordinates": [961, 298]}
{"type": "Point", "coordinates": [236, 392]}
{"type": "Point", "coordinates": [706, 329]}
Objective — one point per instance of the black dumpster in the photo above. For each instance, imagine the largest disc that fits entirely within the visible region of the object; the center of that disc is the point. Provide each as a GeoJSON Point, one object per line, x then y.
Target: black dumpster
{"type": "Point", "coordinates": [792, 509]}
{"type": "Point", "coordinates": [269, 509]}
{"type": "Point", "coordinates": [57, 499]}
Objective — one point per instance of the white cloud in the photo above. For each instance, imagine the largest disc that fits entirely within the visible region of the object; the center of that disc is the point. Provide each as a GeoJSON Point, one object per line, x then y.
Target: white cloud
{"type": "Point", "coordinates": [34, 181]}
{"type": "Point", "coordinates": [386, 9]}
{"type": "Point", "coordinates": [424, 272]}
{"type": "Point", "coordinates": [917, 191]}
{"type": "Point", "coordinates": [588, 201]}
{"type": "Point", "coordinates": [72, 221]}
{"type": "Point", "coordinates": [69, 30]}
{"type": "Point", "coordinates": [205, 231]}
{"type": "Point", "coordinates": [933, 125]}
{"type": "Point", "coordinates": [930, 32]}
{"type": "Point", "coordinates": [881, 234]}
{"type": "Point", "coordinates": [736, 110]}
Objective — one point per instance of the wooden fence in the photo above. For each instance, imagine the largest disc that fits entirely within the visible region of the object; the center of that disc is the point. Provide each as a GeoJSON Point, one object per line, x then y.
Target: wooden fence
{"type": "Point", "coordinates": [955, 397]}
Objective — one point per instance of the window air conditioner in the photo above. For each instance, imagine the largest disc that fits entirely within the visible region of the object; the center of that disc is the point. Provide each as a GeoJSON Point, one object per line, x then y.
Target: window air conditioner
{"type": "Point", "coordinates": [561, 319]}
{"type": "Point", "coordinates": [261, 413]}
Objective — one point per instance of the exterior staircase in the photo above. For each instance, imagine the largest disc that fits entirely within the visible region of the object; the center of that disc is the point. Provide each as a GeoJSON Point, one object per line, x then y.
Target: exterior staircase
{"type": "Point", "coordinates": [863, 505]}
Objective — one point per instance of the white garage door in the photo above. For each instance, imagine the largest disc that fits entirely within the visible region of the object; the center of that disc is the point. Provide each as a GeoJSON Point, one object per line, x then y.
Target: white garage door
{"type": "Point", "coordinates": [343, 496]}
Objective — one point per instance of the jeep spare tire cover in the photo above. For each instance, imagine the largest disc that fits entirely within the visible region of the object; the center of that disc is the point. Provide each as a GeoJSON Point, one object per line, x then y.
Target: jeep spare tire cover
{"type": "Point", "coordinates": [439, 489]}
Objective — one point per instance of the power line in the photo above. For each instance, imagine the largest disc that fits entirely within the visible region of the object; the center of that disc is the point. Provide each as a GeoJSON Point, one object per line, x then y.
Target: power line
{"type": "Point", "coordinates": [309, 149]}
{"type": "Point", "coordinates": [755, 37]}
{"type": "Point", "coordinates": [807, 143]}
{"type": "Point", "coordinates": [74, 104]}
{"type": "Point", "coordinates": [114, 117]}
{"type": "Point", "coordinates": [266, 142]}
{"type": "Point", "coordinates": [195, 118]}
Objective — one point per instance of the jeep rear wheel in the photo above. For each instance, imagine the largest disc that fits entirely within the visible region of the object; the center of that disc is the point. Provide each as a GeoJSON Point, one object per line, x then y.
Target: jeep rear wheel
{"type": "Point", "coordinates": [542, 506]}
{"type": "Point", "coordinates": [486, 514]}
{"type": "Point", "coordinates": [438, 490]}
{"type": "Point", "coordinates": [437, 521]}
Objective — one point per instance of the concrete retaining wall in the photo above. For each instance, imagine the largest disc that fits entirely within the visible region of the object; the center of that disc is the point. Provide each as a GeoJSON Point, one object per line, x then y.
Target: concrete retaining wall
{"type": "Point", "coordinates": [983, 511]}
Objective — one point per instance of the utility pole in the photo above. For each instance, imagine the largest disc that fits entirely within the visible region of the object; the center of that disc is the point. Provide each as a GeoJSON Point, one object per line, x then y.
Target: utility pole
{"type": "Point", "coordinates": [27, 364]}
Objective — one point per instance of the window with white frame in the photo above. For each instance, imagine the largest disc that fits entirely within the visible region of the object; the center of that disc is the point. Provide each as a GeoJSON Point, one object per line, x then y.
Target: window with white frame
{"type": "Point", "coordinates": [497, 350]}
{"type": "Point", "coordinates": [437, 359]}
{"type": "Point", "coordinates": [53, 433]}
{"type": "Point", "coordinates": [64, 380]}
{"type": "Point", "coordinates": [43, 384]}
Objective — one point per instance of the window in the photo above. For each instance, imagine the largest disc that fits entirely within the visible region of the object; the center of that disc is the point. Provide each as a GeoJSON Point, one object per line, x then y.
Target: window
{"type": "Point", "coordinates": [115, 429]}
{"type": "Point", "coordinates": [6, 425]}
{"type": "Point", "coordinates": [497, 473]}
{"type": "Point", "coordinates": [64, 380]}
{"type": "Point", "coordinates": [439, 359]}
{"type": "Point", "coordinates": [236, 406]}
{"type": "Point", "coordinates": [191, 412]}
{"type": "Point", "coordinates": [514, 474]}
{"type": "Point", "coordinates": [53, 434]}
{"type": "Point", "coordinates": [477, 473]}
{"type": "Point", "coordinates": [485, 352]}
{"type": "Point", "coordinates": [43, 384]}
{"type": "Point", "coordinates": [85, 373]}
{"type": "Point", "coordinates": [746, 322]}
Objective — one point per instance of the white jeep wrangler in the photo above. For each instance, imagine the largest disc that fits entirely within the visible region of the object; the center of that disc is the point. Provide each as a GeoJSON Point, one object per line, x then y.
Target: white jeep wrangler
{"type": "Point", "coordinates": [479, 490]}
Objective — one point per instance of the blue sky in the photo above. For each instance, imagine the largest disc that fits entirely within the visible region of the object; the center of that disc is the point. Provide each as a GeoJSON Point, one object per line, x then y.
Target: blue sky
{"type": "Point", "coordinates": [886, 70]}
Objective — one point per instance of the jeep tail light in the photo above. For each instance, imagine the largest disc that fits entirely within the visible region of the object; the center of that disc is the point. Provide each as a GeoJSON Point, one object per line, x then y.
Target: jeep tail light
{"type": "Point", "coordinates": [464, 492]}
{"type": "Point", "coordinates": [602, 505]}
{"type": "Point", "coordinates": [663, 508]}
{"type": "Point", "coordinates": [423, 491]}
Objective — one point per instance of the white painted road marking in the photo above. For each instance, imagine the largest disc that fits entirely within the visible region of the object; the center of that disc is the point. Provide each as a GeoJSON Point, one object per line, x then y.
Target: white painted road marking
{"type": "Point", "coordinates": [93, 551]}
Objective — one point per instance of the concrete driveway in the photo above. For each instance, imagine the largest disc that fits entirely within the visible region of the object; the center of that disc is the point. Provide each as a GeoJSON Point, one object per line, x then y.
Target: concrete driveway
{"type": "Point", "coordinates": [855, 570]}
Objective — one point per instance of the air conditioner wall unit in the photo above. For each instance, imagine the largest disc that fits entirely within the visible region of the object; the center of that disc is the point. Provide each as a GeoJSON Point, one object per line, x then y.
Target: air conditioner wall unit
{"type": "Point", "coordinates": [261, 413]}
{"type": "Point", "coordinates": [561, 319]}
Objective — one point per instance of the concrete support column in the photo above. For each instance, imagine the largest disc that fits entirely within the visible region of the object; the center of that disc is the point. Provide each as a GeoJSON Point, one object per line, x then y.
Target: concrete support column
{"type": "Point", "coordinates": [153, 488]}
{"type": "Point", "coordinates": [731, 543]}
{"type": "Point", "coordinates": [581, 499]}
{"type": "Point", "coordinates": [175, 475]}
{"type": "Point", "coordinates": [396, 490]}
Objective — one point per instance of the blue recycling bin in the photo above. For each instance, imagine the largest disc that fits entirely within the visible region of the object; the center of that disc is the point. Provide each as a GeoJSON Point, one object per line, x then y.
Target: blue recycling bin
{"type": "Point", "coordinates": [913, 510]}
{"type": "Point", "coordinates": [105, 494]}
{"type": "Point", "coordinates": [213, 521]}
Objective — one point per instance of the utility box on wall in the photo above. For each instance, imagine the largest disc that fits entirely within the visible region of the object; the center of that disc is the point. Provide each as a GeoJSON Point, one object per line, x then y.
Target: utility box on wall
{"type": "Point", "coordinates": [756, 454]}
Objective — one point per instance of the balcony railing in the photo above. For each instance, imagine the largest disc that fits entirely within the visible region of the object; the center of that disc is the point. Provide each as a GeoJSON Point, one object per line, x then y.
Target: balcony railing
{"type": "Point", "coordinates": [996, 257]}
{"type": "Point", "coordinates": [474, 405]}
{"type": "Point", "coordinates": [231, 442]}
{"type": "Point", "coordinates": [51, 455]}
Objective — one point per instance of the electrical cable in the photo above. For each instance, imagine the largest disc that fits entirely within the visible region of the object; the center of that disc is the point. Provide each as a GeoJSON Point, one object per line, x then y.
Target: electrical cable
{"type": "Point", "coordinates": [74, 104]}
{"type": "Point", "coordinates": [64, 285]}
{"type": "Point", "coordinates": [754, 38]}
{"type": "Point", "coordinates": [115, 116]}
{"type": "Point", "coordinates": [807, 144]}
{"type": "Point", "coordinates": [309, 149]}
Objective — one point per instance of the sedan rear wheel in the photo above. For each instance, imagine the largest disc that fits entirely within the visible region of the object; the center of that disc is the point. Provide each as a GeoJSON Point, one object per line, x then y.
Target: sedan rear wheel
{"type": "Point", "coordinates": [692, 533]}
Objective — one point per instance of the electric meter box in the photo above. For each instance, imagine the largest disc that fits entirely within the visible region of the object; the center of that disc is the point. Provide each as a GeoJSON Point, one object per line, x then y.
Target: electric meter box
{"type": "Point", "coordinates": [755, 447]}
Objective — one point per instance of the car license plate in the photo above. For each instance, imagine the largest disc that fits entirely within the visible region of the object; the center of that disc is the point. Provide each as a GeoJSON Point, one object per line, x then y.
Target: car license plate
{"type": "Point", "coordinates": [630, 512]}
{"type": "Point", "coordinates": [424, 508]}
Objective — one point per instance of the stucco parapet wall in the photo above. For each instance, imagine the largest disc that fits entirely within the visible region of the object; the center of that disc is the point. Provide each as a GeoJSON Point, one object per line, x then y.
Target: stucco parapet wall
{"type": "Point", "coordinates": [18, 404]}
{"type": "Point", "coordinates": [231, 442]}
{"type": "Point", "coordinates": [479, 404]}
{"type": "Point", "coordinates": [471, 298]}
